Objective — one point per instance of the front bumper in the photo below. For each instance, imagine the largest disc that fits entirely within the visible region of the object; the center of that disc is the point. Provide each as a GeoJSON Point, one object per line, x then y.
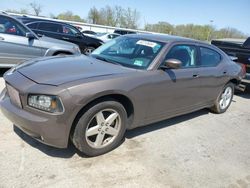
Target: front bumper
{"type": "Point", "coordinates": [40, 128]}
{"type": "Point", "coordinates": [49, 130]}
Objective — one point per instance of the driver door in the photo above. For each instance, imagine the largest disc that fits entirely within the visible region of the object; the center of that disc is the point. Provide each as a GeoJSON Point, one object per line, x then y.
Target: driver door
{"type": "Point", "coordinates": [176, 91]}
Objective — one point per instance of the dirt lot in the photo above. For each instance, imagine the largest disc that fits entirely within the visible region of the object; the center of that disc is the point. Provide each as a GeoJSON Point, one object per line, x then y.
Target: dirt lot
{"type": "Point", "coordinates": [196, 150]}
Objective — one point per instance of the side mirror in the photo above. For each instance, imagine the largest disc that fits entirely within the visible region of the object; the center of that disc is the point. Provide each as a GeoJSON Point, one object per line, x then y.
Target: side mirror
{"type": "Point", "coordinates": [171, 64]}
{"type": "Point", "coordinates": [30, 36]}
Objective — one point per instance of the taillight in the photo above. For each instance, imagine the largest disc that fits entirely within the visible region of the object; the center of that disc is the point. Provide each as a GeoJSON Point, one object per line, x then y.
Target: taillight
{"type": "Point", "coordinates": [243, 68]}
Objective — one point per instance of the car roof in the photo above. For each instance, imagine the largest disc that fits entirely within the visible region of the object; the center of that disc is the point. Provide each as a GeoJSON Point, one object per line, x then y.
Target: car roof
{"type": "Point", "coordinates": [164, 38]}
{"type": "Point", "coordinates": [5, 14]}
{"type": "Point", "coordinates": [32, 20]}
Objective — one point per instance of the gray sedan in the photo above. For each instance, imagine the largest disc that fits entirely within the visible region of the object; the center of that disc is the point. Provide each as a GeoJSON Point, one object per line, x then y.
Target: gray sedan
{"type": "Point", "coordinates": [131, 81]}
{"type": "Point", "coordinates": [18, 43]}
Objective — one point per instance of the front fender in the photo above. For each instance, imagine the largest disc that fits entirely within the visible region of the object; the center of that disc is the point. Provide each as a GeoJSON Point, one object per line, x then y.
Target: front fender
{"type": "Point", "coordinates": [54, 50]}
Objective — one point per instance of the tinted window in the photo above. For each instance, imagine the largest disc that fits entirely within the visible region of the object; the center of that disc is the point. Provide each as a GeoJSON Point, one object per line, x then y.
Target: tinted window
{"type": "Point", "coordinates": [52, 27]}
{"type": "Point", "coordinates": [9, 26]}
{"type": "Point", "coordinates": [185, 53]}
{"type": "Point", "coordinates": [209, 57]}
{"type": "Point", "coordinates": [33, 25]}
{"type": "Point", "coordinates": [124, 32]}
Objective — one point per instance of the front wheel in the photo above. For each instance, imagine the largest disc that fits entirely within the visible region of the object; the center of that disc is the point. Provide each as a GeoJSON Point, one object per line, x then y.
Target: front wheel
{"type": "Point", "coordinates": [88, 50]}
{"type": "Point", "coordinates": [101, 128]}
{"type": "Point", "coordinates": [224, 99]}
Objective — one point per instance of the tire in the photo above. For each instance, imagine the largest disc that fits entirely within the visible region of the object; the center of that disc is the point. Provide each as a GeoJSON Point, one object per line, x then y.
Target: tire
{"type": "Point", "coordinates": [88, 50]}
{"type": "Point", "coordinates": [224, 100]}
{"type": "Point", "coordinates": [93, 135]}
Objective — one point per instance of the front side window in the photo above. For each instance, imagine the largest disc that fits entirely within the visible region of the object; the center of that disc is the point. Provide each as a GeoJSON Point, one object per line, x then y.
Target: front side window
{"type": "Point", "coordinates": [187, 54]}
{"type": "Point", "coordinates": [209, 57]}
{"type": "Point", "coordinates": [9, 26]}
{"type": "Point", "coordinates": [131, 52]}
{"type": "Point", "coordinates": [69, 30]}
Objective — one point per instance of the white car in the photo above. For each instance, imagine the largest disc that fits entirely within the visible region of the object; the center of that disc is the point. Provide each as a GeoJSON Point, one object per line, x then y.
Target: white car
{"type": "Point", "coordinates": [105, 37]}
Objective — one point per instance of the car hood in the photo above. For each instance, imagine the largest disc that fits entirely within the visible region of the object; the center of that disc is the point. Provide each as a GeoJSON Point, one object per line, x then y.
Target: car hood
{"type": "Point", "coordinates": [61, 70]}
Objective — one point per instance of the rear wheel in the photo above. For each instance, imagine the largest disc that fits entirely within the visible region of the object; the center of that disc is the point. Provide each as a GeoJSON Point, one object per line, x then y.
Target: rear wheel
{"type": "Point", "coordinates": [101, 128]}
{"type": "Point", "coordinates": [224, 99]}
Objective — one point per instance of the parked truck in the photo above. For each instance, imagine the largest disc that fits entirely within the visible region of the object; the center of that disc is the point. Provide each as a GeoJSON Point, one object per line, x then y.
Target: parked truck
{"type": "Point", "coordinates": [239, 50]}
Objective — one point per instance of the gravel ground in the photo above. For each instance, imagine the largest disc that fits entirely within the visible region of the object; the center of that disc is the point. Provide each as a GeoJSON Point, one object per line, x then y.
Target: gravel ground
{"type": "Point", "coordinates": [200, 149]}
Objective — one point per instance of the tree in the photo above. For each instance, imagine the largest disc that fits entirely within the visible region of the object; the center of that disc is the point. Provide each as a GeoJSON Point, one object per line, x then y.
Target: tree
{"type": "Point", "coordinates": [107, 16]}
{"type": "Point", "coordinates": [160, 27]}
{"type": "Point", "coordinates": [117, 16]}
{"type": "Point", "coordinates": [37, 8]}
{"type": "Point", "coordinates": [70, 17]}
{"type": "Point", "coordinates": [229, 33]}
{"type": "Point", "coordinates": [130, 18]}
{"type": "Point", "coordinates": [94, 16]}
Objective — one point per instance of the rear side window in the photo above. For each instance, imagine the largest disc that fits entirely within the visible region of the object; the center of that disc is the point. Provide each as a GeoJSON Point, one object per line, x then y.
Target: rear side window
{"type": "Point", "coordinates": [209, 57]}
{"type": "Point", "coordinates": [52, 27]}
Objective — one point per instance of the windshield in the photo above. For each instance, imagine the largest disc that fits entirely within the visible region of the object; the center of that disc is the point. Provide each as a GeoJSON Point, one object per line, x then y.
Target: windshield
{"type": "Point", "coordinates": [130, 52]}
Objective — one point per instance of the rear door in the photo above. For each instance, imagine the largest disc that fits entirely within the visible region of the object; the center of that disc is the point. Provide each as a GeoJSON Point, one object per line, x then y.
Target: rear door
{"type": "Point", "coordinates": [15, 47]}
{"type": "Point", "coordinates": [212, 73]}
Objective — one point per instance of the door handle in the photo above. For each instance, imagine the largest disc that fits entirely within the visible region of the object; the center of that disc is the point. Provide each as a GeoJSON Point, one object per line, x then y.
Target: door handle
{"type": "Point", "coordinates": [1, 38]}
{"type": "Point", "coordinates": [65, 38]}
{"type": "Point", "coordinates": [195, 75]}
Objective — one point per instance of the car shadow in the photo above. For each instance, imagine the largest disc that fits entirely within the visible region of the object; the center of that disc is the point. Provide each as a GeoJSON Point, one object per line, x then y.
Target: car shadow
{"type": "Point", "coordinates": [164, 124]}
{"type": "Point", "coordinates": [68, 152]}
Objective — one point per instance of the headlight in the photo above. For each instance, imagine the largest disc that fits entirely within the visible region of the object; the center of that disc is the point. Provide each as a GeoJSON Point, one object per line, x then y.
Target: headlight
{"type": "Point", "coordinates": [46, 103]}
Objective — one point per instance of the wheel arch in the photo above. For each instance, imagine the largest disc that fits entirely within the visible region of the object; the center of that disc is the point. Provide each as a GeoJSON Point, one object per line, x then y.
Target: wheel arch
{"type": "Point", "coordinates": [62, 52]}
{"type": "Point", "coordinates": [234, 81]}
{"type": "Point", "coordinates": [124, 100]}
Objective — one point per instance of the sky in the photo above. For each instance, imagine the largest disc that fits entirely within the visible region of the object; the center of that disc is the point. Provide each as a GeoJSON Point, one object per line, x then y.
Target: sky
{"type": "Point", "coordinates": [224, 13]}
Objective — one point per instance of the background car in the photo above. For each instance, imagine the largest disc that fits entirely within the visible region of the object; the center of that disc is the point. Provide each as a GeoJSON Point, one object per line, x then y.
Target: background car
{"type": "Point", "coordinates": [89, 33]}
{"type": "Point", "coordinates": [132, 81]}
{"type": "Point", "coordinates": [18, 43]}
{"type": "Point", "coordinates": [63, 31]}
{"type": "Point", "coordinates": [124, 32]}
{"type": "Point", "coordinates": [105, 37]}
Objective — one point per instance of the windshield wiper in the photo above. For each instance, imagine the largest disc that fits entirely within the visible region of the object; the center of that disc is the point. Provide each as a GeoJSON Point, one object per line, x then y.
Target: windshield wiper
{"type": "Point", "coordinates": [106, 60]}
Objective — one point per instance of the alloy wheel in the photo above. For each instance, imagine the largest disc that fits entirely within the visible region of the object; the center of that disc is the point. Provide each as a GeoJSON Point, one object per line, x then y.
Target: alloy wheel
{"type": "Point", "coordinates": [226, 98]}
{"type": "Point", "coordinates": [103, 128]}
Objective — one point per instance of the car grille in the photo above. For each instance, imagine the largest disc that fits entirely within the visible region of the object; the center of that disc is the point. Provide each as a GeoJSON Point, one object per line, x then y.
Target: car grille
{"type": "Point", "coordinates": [14, 96]}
